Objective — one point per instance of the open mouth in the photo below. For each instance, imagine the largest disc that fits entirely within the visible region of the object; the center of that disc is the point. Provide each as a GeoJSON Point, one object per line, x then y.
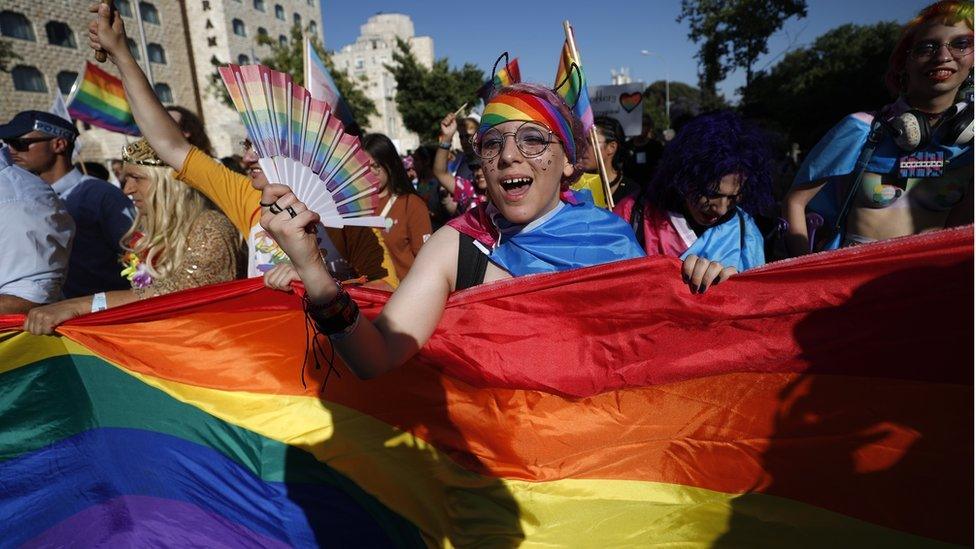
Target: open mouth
{"type": "Point", "coordinates": [255, 171]}
{"type": "Point", "coordinates": [516, 187]}
{"type": "Point", "coordinates": [940, 75]}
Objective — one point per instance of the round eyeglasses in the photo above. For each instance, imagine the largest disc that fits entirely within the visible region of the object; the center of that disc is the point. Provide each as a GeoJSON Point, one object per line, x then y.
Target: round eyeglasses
{"type": "Point", "coordinates": [530, 139]}
{"type": "Point", "coordinates": [958, 47]}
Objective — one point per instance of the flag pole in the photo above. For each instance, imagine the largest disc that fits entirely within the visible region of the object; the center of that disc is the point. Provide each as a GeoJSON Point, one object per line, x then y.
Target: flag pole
{"type": "Point", "coordinates": [568, 29]}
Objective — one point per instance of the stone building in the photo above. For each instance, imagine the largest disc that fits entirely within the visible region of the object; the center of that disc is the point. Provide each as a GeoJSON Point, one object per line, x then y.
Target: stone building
{"type": "Point", "coordinates": [182, 36]}
{"type": "Point", "coordinates": [226, 30]}
{"type": "Point", "coordinates": [52, 40]}
{"type": "Point", "coordinates": [365, 59]}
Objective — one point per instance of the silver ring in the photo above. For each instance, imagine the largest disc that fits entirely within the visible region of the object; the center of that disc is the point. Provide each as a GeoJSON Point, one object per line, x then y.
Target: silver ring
{"type": "Point", "coordinates": [274, 208]}
{"type": "Point", "coordinates": [291, 211]}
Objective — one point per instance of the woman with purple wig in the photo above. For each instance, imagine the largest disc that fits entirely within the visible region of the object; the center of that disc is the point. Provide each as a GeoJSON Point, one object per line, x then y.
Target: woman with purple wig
{"type": "Point", "coordinates": [712, 176]}
{"type": "Point", "coordinates": [531, 148]}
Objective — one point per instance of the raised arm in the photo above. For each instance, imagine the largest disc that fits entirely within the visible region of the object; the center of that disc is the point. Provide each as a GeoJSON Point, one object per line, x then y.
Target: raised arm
{"type": "Point", "coordinates": [448, 129]}
{"type": "Point", "coordinates": [107, 33]}
{"type": "Point", "coordinates": [411, 314]}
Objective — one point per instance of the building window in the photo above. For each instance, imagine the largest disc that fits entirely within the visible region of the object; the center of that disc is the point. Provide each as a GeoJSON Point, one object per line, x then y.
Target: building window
{"type": "Point", "coordinates": [16, 25]}
{"type": "Point", "coordinates": [134, 49]}
{"type": "Point", "coordinates": [259, 5]}
{"type": "Point", "coordinates": [313, 27]}
{"type": "Point", "coordinates": [156, 54]}
{"type": "Point", "coordinates": [279, 12]}
{"type": "Point", "coordinates": [125, 9]}
{"type": "Point", "coordinates": [59, 34]}
{"type": "Point", "coordinates": [163, 92]}
{"type": "Point", "coordinates": [239, 28]}
{"type": "Point", "coordinates": [27, 78]}
{"type": "Point", "coordinates": [310, 2]}
{"type": "Point", "coordinates": [297, 18]}
{"type": "Point", "coordinates": [66, 79]}
{"type": "Point", "coordinates": [149, 13]}
{"type": "Point", "coordinates": [243, 60]}
{"type": "Point", "coordinates": [262, 31]}
{"type": "Point", "coordinates": [282, 40]}
{"type": "Point", "coordinates": [360, 64]}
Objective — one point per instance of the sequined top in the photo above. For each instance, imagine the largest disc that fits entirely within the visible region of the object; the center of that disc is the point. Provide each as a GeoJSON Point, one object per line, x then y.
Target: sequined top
{"type": "Point", "coordinates": [213, 254]}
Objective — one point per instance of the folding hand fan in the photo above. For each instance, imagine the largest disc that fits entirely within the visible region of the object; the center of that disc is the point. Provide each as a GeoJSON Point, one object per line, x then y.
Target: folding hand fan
{"type": "Point", "coordinates": [300, 143]}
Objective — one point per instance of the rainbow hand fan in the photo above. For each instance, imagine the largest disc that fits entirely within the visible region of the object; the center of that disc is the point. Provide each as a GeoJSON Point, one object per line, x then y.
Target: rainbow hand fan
{"type": "Point", "coordinates": [300, 143]}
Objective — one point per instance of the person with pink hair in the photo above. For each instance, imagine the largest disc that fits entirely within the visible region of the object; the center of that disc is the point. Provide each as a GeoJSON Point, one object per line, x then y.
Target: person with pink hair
{"type": "Point", "coordinates": [908, 168]}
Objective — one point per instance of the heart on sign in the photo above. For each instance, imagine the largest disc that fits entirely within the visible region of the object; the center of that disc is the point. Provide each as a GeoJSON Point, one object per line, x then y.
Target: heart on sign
{"type": "Point", "coordinates": [630, 101]}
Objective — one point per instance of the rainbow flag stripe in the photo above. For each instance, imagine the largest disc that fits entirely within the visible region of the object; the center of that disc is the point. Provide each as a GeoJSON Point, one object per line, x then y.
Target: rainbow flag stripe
{"type": "Point", "coordinates": [572, 86]}
{"type": "Point", "coordinates": [99, 99]}
{"type": "Point", "coordinates": [778, 409]}
{"type": "Point", "coordinates": [524, 106]}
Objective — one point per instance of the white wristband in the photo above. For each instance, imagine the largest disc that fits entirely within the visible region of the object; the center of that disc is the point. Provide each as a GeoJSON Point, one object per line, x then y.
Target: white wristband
{"type": "Point", "coordinates": [99, 302]}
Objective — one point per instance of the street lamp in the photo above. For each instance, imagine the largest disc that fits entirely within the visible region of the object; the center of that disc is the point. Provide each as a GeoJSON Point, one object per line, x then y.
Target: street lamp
{"type": "Point", "coordinates": [667, 85]}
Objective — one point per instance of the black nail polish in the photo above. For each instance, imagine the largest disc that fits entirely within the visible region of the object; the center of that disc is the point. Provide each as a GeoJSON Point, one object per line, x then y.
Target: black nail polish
{"type": "Point", "coordinates": [701, 288]}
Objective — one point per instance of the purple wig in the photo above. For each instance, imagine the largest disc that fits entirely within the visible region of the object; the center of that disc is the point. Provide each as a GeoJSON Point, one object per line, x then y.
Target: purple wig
{"type": "Point", "coordinates": [708, 148]}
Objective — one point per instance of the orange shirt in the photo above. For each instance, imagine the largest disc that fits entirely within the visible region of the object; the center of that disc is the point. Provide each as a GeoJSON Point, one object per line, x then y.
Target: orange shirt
{"type": "Point", "coordinates": [411, 228]}
{"type": "Point", "coordinates": [233, 194]}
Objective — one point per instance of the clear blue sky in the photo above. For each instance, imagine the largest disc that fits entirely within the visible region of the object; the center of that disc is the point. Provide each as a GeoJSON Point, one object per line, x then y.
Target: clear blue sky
{"type": "Point", "coordinates": [609, 34]}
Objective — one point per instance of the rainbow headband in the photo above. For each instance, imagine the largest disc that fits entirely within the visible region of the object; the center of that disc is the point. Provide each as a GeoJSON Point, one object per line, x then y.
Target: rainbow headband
{"type": "Point", "coordinates": [524, 106]}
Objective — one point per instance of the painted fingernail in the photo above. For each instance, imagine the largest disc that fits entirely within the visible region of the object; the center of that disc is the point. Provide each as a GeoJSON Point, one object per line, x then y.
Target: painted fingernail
{"type": "Point", "coordinates": [701, 288]}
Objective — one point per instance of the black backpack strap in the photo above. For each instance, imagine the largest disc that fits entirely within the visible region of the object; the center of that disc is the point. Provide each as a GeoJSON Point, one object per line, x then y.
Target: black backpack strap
{"type": "Point", "coordinates": [857, 175]}
{"type": "Point", "coordinates": [637, 217]}
{"type": "Point", "coordinates": [472, 264]}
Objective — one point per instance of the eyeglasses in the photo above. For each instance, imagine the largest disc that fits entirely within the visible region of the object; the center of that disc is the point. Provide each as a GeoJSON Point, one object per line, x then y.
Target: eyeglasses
{"type": "Point", "coordinates": [375, 168]}
{"type": "Point", "coordinates": [530, 139]}
{"type": "Point", "coordinates": [958, 47]}
{"type": "Point", "coordinates": [715, 195]}
{"type": "Point", "coordinates": [21, 144]}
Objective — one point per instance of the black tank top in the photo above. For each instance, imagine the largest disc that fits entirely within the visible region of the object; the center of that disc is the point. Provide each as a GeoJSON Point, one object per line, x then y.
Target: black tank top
{"type": "Point", "coordinates": [472, 264]}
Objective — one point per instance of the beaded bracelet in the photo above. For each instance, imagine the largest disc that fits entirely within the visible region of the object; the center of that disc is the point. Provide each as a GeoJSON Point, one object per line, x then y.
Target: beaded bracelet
{"type": "Point", "coordinates": [337, 318]}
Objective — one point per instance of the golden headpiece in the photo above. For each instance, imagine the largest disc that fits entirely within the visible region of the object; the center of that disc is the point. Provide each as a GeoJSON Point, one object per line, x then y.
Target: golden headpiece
{"type": "Point", "coordinates": [141, 153]}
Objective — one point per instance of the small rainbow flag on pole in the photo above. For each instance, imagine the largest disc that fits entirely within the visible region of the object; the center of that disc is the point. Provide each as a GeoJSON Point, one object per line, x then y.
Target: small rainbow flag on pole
{"type": "Point", "coordinates": [506, 76]}
{"type": "Point", "coordinates": [571, 84]}
{"type": "Point", "coordinates": [98, 98]}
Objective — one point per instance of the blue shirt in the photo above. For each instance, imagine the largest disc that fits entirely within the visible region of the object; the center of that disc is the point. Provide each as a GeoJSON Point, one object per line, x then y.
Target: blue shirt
{"type": "Point", "coordinates": [102, 214]}
{"type": "Point", "coordinates": [35, 236]}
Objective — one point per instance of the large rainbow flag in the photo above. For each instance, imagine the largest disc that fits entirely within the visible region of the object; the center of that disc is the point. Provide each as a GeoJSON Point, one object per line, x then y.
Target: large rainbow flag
{"type": "Point", "coordinates": [571, 85]}
{"type": "Point", "coordinates": [825, 401]}
{"type": "Point", "coordinates": [99, 99]}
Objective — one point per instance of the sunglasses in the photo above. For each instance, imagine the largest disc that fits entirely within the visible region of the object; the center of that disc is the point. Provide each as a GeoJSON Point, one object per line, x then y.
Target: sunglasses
{"type": "Point", "coordinates": [21, 144]}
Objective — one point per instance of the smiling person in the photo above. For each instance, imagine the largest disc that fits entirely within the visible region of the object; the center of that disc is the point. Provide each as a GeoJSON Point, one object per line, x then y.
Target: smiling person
{"type": "Point", "coordinates": [352, 253]}
{"type": "Point", "coordinates": [530, 143]}
{"type": "Point", "coordinates": [697, 208]}
{"type": "Point", "coordinates": [927, 124]}
{"type": "Point", "coordinates": [399, 202]}
{"type": "Point", "coordinates": [176, 242]}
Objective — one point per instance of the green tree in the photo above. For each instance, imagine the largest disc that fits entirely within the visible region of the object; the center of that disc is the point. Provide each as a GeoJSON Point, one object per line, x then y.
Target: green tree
{"type": "Point", "coordinates": [7, 55]}
{"type": "Point", "coordinates": [425, 95]}
{"type": "Point", "coordinates": [733, 33]}
{"type": "Point", "coordinates": [812, 88]}
{"type": "Point", "coordinates": [686, 101]}
{"type": "Point", "coordinates": [288, 58]}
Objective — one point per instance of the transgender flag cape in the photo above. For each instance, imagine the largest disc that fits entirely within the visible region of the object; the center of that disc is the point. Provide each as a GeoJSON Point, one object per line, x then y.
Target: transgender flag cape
{"type": "Point", "coordinates": [825, 401]}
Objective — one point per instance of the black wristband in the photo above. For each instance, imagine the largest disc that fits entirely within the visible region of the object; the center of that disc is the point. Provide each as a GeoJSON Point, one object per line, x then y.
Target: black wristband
{"type": "Point", "coordinates": [336, 316]}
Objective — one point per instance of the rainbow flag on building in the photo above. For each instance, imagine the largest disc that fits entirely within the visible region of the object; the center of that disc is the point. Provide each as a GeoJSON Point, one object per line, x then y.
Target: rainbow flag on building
{"type": "Point", "coordinates": [820, 402]}
{"type": "Point", "coordinates": [571, 85]}
{"type": "Point", "coordinates": [321, 86]}
{"type": "Point", "coordinates": [506, 76]}
{"type": "Point", "coordinates": [98, 98]}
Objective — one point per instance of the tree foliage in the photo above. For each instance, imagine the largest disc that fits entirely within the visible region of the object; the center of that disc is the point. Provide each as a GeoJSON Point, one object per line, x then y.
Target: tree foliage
{"type": "Point", "coordinates": [733, 33]}
{"type": "Point", "coordinates": [812, 88]}
{"type": "Point", "coordinates": [425, 95]}
{"type": "Point", "coordinates": [7, 55]}
{"type": "Point", "coordinates": [288, 58]}
{"type": "Point", "coordinates": [686, 101]}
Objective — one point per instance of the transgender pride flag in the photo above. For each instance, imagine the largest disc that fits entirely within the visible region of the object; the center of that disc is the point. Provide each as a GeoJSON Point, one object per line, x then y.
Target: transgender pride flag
{"type": "Point", "coordinates": [319, 83]}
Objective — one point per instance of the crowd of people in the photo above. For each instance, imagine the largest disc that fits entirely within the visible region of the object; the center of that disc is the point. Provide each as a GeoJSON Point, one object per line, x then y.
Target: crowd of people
{"type": "Point", "coordinates": [522, 195]}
